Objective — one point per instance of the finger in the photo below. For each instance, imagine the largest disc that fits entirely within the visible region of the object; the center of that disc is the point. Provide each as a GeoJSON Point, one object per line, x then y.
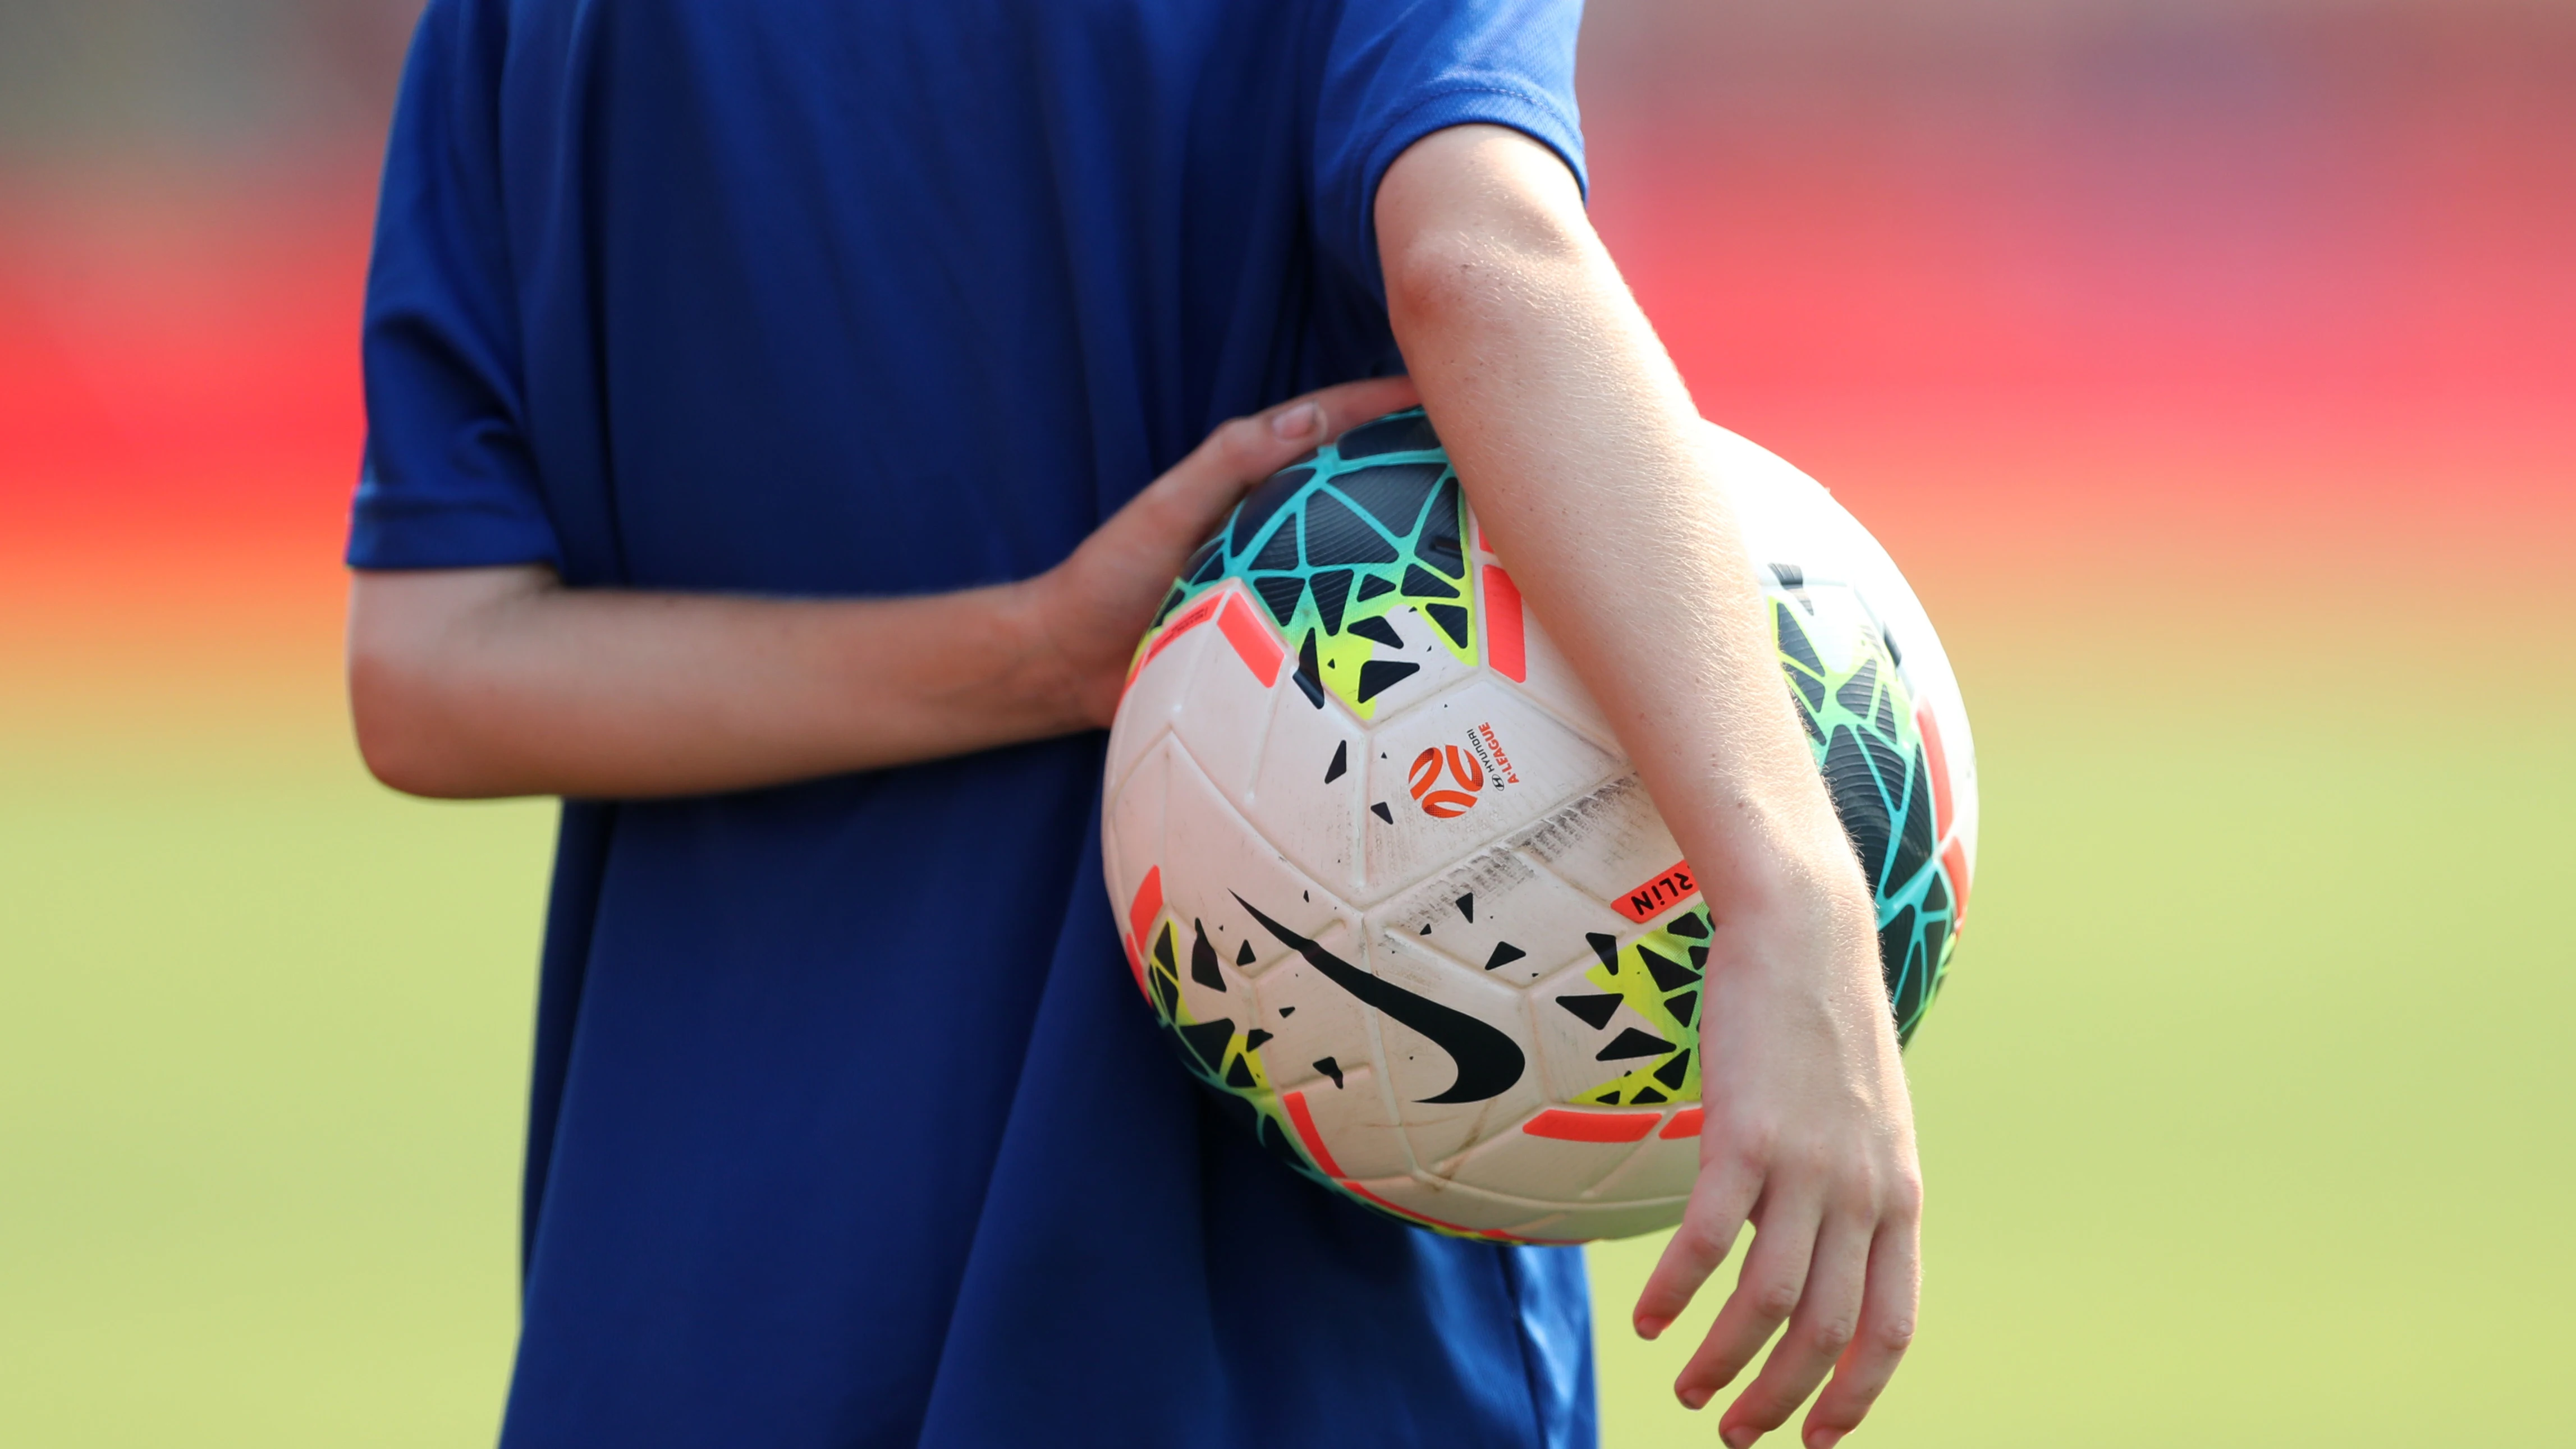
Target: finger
{"type": "Point", "coordinates": [1347, 405]}
{"type": "Point", "coordinates": [1329, 412]}
{"type": "Point", "coordinates": [1827, 1317]}
{"type": "Point", "coordinates": [1246, 450]}
{"type": "Point", "coordinates": [1886, 1329]}
{"type": "Point", "coordinates": [1718, 1204]}
{"type": "Point", "coordinates": [1181, 507]}
{"type": "Point", "coordinates": [1774, 1277]}
{"type": "Point", "coordinates": [1149, 537]}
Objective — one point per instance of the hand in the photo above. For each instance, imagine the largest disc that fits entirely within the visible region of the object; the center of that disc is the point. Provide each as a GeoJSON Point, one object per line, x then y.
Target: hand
{"type": "Point", "coordinates": [1088, 612]}
{"type": "Point", "coordinates": [1809, 1135]}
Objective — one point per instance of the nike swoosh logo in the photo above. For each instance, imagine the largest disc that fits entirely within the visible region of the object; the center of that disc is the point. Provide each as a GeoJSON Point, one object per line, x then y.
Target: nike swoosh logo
{"type": "Point", "coordinates": [1488, 1061]}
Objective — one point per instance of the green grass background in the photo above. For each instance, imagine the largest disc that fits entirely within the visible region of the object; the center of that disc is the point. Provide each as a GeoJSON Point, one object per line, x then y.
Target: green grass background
{"type": "Point", "coordinates": [2245, 1113]}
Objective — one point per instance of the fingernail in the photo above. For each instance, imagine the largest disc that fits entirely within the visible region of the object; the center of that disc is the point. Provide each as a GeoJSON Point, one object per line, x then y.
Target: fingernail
{"type": "Point", "coordinates": [1297, 422]}
{"type": "Point", "coordinates": [1695, 1399]}
{"type": "Point", "coordinates": [1651, 1328]}
{"type": "Point", "coordinates": [1825, 1439]}
{"type": "Point", "coordinates": [1739, 1436]}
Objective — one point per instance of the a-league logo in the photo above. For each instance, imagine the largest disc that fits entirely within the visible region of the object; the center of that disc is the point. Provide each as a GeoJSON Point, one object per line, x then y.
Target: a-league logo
{"type": "Point", "coordinates": [1445, 781]}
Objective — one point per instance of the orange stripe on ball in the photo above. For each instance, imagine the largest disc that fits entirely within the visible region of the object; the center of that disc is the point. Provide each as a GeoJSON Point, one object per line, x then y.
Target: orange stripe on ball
{"type": "Point", "coordinates": [1504, 649]}
{"type": "Point", "coordinates": [1304, 1118]}
{"type": "Point", "coordinates": [1567, 1126]}
{"type": "Point", "coordinates": [1251, 640]}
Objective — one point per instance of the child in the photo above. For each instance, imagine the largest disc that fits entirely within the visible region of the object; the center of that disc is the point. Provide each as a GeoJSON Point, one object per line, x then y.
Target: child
{"type": "Point", "coordinates": [760, 399]}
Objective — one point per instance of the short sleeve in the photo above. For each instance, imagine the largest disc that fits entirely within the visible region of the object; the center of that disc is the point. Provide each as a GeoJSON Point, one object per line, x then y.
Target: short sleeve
{"type": "Point", "coordinates": [1394, 71]}
{"type": "Point", "coordinates": [449, 480]}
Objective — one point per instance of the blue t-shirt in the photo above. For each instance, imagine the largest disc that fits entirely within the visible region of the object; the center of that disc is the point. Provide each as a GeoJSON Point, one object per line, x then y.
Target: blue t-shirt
{"type": "Point", "coordinates": [847, 1127]}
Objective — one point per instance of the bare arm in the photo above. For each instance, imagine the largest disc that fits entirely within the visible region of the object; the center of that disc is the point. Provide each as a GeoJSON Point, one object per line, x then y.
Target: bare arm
{"type": "Point", "coordinates": [483, 682]}
{"type": "Point", "coordinates": [1584, 457]}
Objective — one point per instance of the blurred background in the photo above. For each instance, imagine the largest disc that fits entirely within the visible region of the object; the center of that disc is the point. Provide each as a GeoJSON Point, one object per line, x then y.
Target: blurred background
{"type": "Point", "coordinates": [2210, 365]}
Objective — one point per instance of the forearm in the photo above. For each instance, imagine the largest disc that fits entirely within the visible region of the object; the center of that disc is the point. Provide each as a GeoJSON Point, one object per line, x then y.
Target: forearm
{"type": "Point", "coordinates": [508, 683]}
{"type": "Point", "coordinates": [477, 682]}
{"type": "Point", "coordinates": [1585, 459]}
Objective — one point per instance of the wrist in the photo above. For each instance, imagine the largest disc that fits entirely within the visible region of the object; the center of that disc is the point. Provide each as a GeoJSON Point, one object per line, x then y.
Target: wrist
{"type": "Point", "coordinates": [1775, 846]}
{"type": "Point", "coordinates": [1042, 679]}
{"type": "Point", "coordinates": [1793, 882]}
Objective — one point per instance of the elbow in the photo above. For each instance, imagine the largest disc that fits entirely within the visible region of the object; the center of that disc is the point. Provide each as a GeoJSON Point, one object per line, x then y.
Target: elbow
{"type": "Point", "coordinates": [1465, 278]}
{"type": "Point", "coordinates": [1431, 278]}
{"type": "Point", "coordinates": [395, 709]}
{"type": "Point", "coordinates": [1478, 226]}
{"type": "Point", "coordinates": [420, 695]}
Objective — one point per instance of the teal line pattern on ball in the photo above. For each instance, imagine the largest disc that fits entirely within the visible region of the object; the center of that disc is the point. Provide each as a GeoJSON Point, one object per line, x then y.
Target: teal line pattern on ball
{"type": "Point", "coordinates": [1335, 543]}
{"type": "Point", "coordinates": [1860, 727]}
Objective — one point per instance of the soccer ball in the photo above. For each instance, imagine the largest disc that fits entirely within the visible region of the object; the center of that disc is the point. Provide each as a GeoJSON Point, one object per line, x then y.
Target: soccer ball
{"type": "Point", "coordinates": [1394, 891]}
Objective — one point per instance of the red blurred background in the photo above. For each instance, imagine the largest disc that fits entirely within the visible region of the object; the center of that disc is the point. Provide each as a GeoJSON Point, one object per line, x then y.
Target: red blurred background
{"type": "Point", "coordinates": [2043, 287]}
{"type": "Point", "coordinates": [2106, 297]}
